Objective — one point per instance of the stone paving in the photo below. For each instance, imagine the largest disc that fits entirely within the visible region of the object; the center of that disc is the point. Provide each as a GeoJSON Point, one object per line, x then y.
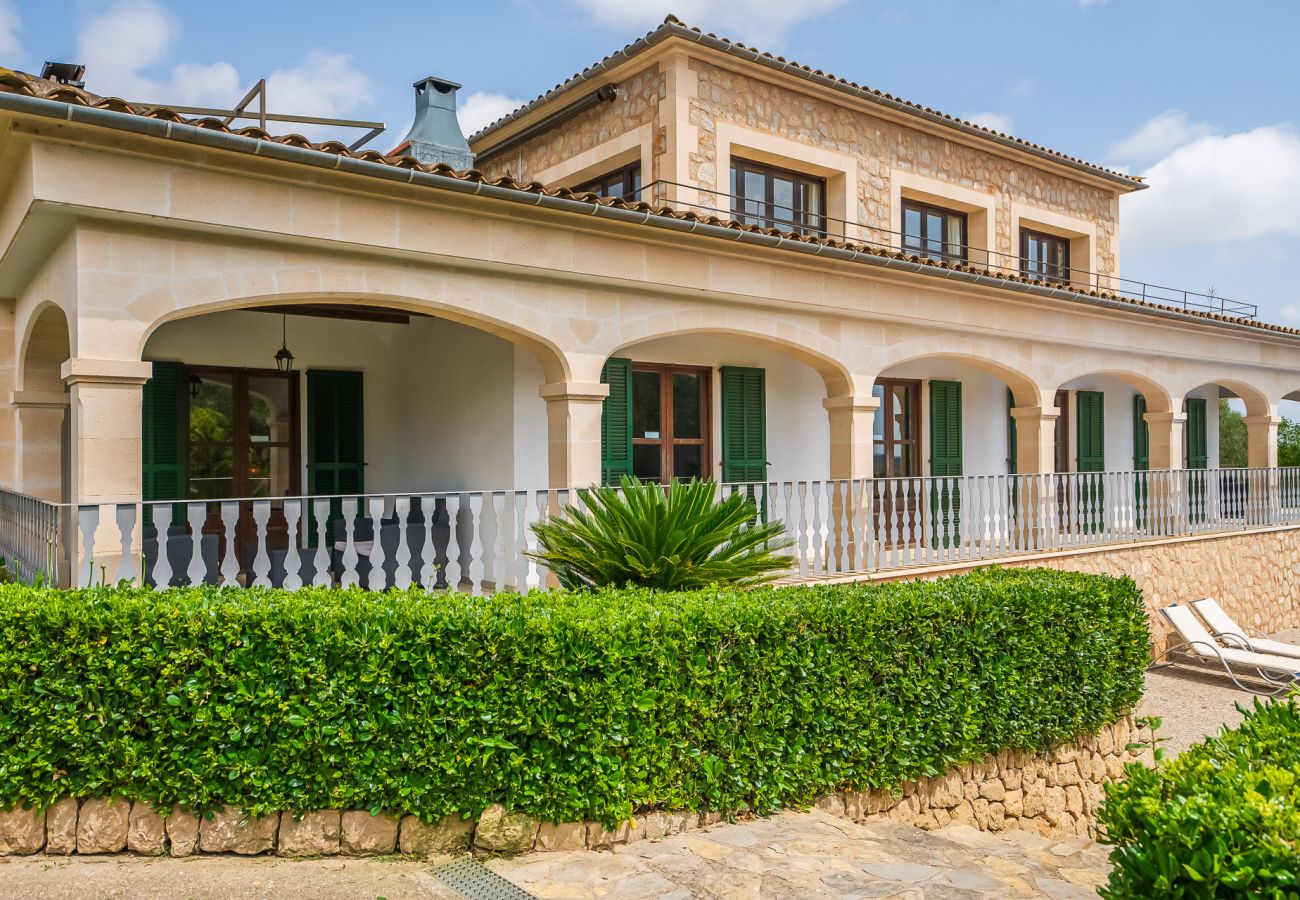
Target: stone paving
{"type": "Point", "coordinates": [815, 855]}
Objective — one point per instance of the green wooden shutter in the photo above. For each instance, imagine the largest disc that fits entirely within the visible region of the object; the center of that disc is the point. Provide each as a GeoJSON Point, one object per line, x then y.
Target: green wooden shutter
{"type": "Point", "coordinates": [163, 415]}
{"type": "Point", "coordinates": [1198, 444]}
{"type": "Point", "coordinates": [616, 421]}
{"type": "Point", "coordinates": [335, 433]}
{"type": "Point", "coordinates": [1013, 446]}
{"type": "Point", "coordinates": [945, 428]}
{"type": "Point", "coordinates": [1092, 431]}
{"type": "Point", "coordinates": [744, 424]}
{"type": "Point", "coordinates": [1141, 434]}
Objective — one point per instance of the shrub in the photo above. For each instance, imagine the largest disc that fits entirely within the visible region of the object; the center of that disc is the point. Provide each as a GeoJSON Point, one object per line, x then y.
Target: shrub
{"type": "Point", "coordinates": [565, 706]}
{"type": "Point", "coordinates": [1221, 820]}
{"type": "Point", "coordinates": [677, 539]}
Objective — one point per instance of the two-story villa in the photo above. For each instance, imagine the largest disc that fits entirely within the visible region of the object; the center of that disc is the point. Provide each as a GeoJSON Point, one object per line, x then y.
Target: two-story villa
{"type": "Point", "coordinates": [693, 259]}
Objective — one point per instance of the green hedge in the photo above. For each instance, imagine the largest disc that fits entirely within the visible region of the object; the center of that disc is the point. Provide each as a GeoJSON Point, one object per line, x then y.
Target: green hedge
{"type": "Point", "coordinates": [566, 706]}
{"type": "Point", "coordinates": [1220, 820]}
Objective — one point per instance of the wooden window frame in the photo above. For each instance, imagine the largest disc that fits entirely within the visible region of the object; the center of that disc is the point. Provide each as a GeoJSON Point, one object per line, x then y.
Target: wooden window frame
{"type": "Point", "coordinates": [628, 176]}
{"type": "Point", "coordinates": [668, 439]}
{"type": "Point", "coordinates": [887, 435]}
{"type": "Point", "coordinates": [770, 220]}
{"type": "Point", "coordinates": [239, 385]}
{"type": "Point", "coordinates": [930, 209]}
{"type": "Point", "coordinates": [1045, 273]}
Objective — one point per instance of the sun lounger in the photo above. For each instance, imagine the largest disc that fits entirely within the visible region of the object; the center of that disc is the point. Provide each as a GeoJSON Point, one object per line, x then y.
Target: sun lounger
{"type": "Point", "coordinates": [1279, 672]}
{"type": "Point", "coordinates": [1230, 633]}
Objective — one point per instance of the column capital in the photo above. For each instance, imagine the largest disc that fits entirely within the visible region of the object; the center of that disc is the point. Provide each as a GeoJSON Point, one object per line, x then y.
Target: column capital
{"type": "Point", "coordinates": [1262, 420]}
{"type": "Point", "coordinates": [1165, 417]}
{"type": "Point", "coordinates": [39, 399]}
{"type": "Point", "coordinates": [852, 402]}
{"type": "Point", "coordinates": [573, 390]}
{"type": "Point", "coordinates": [1035, 412]}
{"type": "Point", "coordinates": [105, 371]}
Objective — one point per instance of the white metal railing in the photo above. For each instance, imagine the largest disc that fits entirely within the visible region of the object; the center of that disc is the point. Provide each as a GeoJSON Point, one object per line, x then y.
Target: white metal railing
{"type": "Point", "coordinates": [477, 541]}
{"type": "Point", "coordinates": [31, 537]}
{"type": "Point", "coordinates": [843, 527]}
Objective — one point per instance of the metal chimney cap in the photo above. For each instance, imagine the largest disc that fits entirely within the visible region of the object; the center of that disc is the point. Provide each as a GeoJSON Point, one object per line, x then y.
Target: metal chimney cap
{"type": "Point", "coordinates": [441, 85]}
{"type": "Point", "coordinates": [65, 73]}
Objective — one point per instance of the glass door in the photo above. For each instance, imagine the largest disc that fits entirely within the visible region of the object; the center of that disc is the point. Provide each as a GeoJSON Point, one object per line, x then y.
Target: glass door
{"type": "Point", "coordinates": [670, 422]}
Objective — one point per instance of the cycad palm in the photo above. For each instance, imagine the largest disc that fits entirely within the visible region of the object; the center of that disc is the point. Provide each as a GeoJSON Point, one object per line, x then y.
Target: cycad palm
{"type": "Point", "coordinates": [675, 539]}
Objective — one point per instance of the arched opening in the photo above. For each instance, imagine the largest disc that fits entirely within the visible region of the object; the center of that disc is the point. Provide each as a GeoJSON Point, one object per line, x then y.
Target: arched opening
{"type": "Point", "coordinates": [395, 421]}
{"type": "Point", "coordinates": [1222, 421]}
{"type": "Point", "coordinates": [722, 406]}
{"type": "Point", "coordinates": [41, 403]}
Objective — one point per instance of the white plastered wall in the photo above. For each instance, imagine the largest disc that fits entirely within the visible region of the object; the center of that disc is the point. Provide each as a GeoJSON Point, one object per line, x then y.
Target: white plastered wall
{"type": "Point", "coordinates": [445, 407]}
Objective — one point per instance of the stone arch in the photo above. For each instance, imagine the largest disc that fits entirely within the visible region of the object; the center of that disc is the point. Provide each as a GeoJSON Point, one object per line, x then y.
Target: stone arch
{"type": "Point", "coordinates": [1256, 399]}
{"type": "Point", "coordinates": [41, 405]}
{"type": "Point", "coordinates": [1159, 398]}
{"type": "Point", "coordinates": [815, 353]}
{"type": "Point", "coordinates": [555, 363]}
{"type": "Point", "coordinates": [1027, 390]}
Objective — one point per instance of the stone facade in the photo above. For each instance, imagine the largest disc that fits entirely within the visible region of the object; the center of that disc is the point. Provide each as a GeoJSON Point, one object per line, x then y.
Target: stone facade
{"type": "Point", "coordinates": [1053, 793]}
{"type": "Point", "coordinates": [637, 103]}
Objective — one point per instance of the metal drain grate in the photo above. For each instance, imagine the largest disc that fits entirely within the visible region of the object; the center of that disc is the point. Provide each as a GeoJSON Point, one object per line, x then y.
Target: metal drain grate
{"type": "Point", "coordinates": [475, 881]}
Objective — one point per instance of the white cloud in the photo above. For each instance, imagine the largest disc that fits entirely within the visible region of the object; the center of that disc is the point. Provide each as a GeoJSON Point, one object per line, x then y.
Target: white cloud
{"type": "Point", "coordinates": [1086, 4]}
{"type": "Point", "coordinates": [1291, 312]}
{"type": "Point", "coordinates": [1159, 136]}
{"type": "Point", "coordinates": [995, 121]}
{"type": "Point", "coordinates": [755, 21]}
{"type": "Point", "coordinates": [1219, 188]}
{"type": "Point", "coordinates": [10, 24]}
{"type": "Point", "coordinates": [482, 108]}
{"type": "Point", "coordinates": [121, 45]}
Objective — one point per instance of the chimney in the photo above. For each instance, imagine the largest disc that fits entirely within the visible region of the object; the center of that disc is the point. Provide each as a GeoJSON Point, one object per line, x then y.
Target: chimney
{"type": "Point", "coordinates": [435, 135]}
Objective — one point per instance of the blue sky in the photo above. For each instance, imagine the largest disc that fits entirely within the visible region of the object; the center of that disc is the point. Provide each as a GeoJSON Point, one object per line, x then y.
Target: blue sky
{"type": "Point", "coordinates": [1196, 95]}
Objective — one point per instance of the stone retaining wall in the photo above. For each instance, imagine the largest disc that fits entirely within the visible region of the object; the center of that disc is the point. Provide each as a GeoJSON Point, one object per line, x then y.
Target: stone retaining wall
{"type": "Point", "coordinates": [1055, 793]}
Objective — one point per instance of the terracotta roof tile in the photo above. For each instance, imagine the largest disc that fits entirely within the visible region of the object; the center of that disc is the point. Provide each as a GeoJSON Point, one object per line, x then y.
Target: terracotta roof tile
{"type": "Point", "coordinates": [30, 85]}
{"type": "Point", "coordinates": [672, 26]}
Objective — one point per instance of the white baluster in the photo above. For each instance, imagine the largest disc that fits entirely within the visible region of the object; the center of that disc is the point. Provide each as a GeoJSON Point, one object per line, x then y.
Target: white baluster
{"type": "Point", "coordinates": [196, 514]}
{"type": "Point", "coordinates": [378, 578]}
{"type": "Point", "coordinates": [454, 570]}
{"type": "Point", "coordinates": [521, 541]}
{"type": "Point", "coordinates": [230, 524]}
{"type": "Point", "coordinates": [402, 555]}
{"type": "Point", "coordinates": [476, 566]}
{"type": "Point", "coordinates": [501, 576]}
{"type": "Point", "coordinates": [261, 558]}
{"type": "Point", "coordinates": [801, 492]}
{"type": "Point", "coordinates": [292, 557]}
{"type": "Point", "coordinates": [321, 575]}
{"type": "Point", "coordinates": [162, 567]}
{"type": "Point", "coordinates": [88, 524]}
{"type": "Point", "coordinates": [428, 574]}
{"type": "Point", "coordinates": [125, 531]}
{"type": "Point", "coordinates": [351, 507]}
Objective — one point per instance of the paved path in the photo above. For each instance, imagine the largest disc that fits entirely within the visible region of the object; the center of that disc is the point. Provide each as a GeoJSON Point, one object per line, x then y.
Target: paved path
{"type": "Point", "coordinates": [815, 855]}
{"type": "Point", "coordinates": [793, 855]}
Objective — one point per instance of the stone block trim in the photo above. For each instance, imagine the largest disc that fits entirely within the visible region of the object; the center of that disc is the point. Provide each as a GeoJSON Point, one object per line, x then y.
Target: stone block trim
{"type": "Point", "coordinates": [1055, 793]}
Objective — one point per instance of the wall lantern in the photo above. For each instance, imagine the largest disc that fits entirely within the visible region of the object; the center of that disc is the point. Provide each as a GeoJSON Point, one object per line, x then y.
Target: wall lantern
{"type": "Point", "coordinates": [283, 358]}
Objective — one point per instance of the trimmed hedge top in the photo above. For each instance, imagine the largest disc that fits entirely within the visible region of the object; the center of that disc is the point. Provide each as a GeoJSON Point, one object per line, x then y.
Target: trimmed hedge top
{"type": "Point", "coordinates": [565, 706]}
{"type": "Point", "coordinates": [1220, 820]}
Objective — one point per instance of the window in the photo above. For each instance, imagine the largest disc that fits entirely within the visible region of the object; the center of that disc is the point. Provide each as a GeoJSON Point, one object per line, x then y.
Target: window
{"type": "Point", "coordinates": [624, 182]}
{"type": "Point", "coordinates": [897, 428]}
{"type": "Point", "coordinates": [939, 234]}
{"type": "Point", "coordinates": [776, 198]}
{"type": "Point", "coordinates": [1045, 257]}
{"type": "Point", "coordinates": [670, 422]}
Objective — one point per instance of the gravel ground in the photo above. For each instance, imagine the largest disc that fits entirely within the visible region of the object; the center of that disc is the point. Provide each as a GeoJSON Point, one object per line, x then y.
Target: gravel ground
{"type": "Point", "coordinates": [1195, 704]}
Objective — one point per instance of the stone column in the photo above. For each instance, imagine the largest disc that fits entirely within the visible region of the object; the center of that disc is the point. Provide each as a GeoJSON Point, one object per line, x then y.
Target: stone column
{"type": "Point", "coordinates": [573, 433]}
{"type": "Point", "coordinates": [106, 453]}
{"type": "Point", "coordinates": [1165, 440]}
{"type": "Point", "coordinates": [851, 422]}
{"type": "Point", "coordinates": [39, 439]}
{"type": "Point", "coordinates": [1261, 441]}
{"type": "Point", "coordinates": [1035, 488]}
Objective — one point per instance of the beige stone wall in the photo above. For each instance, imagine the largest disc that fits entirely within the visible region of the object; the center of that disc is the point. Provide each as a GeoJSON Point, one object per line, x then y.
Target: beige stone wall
{"type": "Point", "coordinates": [1255, 575]}
{"type": "Point", "coordinates": [638, 103]}
{"type": "Point", "coordinates": [1054, 793]}
{"type": "Point", "coordinates": [883, 147]}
